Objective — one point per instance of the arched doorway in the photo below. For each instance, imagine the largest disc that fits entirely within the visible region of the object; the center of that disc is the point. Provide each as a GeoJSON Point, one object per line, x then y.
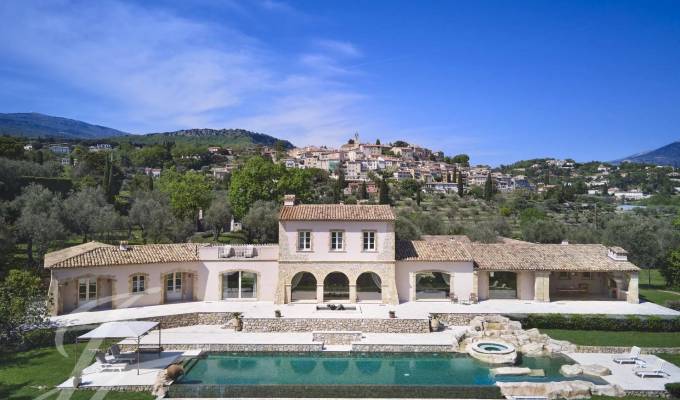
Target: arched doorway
{"type": "Point", "coordinates": [303, 287]}
{"type": "Point", "coordinates": [336, 287]}
{"type": "Point", "coordinates": [369, 287]}
{"type": "Point", "coordinates": [433, 286]}
{"type": "Point", "coordinates": [502, 285]}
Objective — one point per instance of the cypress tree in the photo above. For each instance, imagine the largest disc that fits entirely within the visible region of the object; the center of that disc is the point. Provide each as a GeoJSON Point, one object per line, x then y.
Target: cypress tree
{"type": "Point", "coordinates": [384, 192]}
{"type": "Point", "coordinates": [488, 188]}
{"type": "Point", "coordinates": [363, 191]}
{"type": "Point", "coordinates": [461, 188]}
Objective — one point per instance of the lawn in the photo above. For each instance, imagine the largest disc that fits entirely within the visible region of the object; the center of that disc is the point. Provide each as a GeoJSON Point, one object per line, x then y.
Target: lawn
{"type": "Point", "coordinates": [27, 375]}
{"type": "Point", "coordinates": [611, 338]}
{"type": "Point", "coordinates": [653, 287]}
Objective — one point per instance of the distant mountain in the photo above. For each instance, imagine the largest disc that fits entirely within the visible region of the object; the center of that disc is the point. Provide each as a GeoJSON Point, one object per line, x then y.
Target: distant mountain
{"type": "Point", "coordinates": [41, 125]}
{"type": "Point", "coordinates": [666, 155]}
{"type": "Point", "coordinates": [222, 137]}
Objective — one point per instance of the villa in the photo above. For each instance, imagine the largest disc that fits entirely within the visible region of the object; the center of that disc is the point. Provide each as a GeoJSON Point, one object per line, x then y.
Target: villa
{"type": "Point", "coordinates": [339, 254]}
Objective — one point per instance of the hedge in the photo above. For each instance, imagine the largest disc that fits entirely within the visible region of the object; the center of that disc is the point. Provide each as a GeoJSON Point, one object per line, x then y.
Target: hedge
{"type": "Point", "coordinates": [600, 322]}
{"type": "Point", "coordinates": [673, 389]}
{"type": "Point", "coordinates": [45, 337]}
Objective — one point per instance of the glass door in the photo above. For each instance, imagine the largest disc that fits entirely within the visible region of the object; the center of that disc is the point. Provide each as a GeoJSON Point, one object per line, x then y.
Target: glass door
{"type": "Point", "coordinates": [87, 293]}
{"type": "Point", "coordinates": [239, 285]}
{"type": "Point", "coordinates": [173, 287]}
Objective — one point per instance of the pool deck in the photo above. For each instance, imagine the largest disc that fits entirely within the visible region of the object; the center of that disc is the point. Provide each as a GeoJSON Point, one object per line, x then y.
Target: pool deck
{"type": "Point", "coordinates": [623, 375]}
{"type": "Point", "coordinates": [368, 310]}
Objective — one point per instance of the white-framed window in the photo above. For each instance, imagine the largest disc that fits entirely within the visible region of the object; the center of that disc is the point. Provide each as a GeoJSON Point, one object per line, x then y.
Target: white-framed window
{"type": "Point", "coordinates": [304, 240]}
{"type": "Point", "coordinates": [87, 289]}
{"type": "Point", "coordinates": [138, 283]}
{"type": "Point", "coordinates": [369, 241]}
{"type": "Point", "coordinates": [337, 241]}
{"type": "Point", "coordinates": [173, 282]}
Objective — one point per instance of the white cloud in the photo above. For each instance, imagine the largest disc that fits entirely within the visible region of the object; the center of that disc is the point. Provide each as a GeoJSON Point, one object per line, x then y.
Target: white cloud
{"type": "Point", "coordinates": [161, 71]}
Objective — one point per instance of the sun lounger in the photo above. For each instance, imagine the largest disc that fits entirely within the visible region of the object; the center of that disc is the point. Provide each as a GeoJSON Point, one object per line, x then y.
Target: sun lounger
{"type": "Point", "coordinates": [657, 371]}
{"type": "Point", "coordinates": [631, 358]}
{"type": "Point", "coordinates": [117, 356]}
{"type": "Point", "coordinates": [105, 366]}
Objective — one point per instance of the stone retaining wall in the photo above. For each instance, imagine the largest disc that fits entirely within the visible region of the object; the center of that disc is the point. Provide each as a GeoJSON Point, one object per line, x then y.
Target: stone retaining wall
{"type": "Point", "coordinates": [337, 337]}
{"type": "Point", "coordinates": [178, 320]}
{"type": "Point", "coordinates": [648, 393]}
{"type": "Point", "coordinates": [403, 348]}
{"type": "Point", "coordinates": [219, 347]}
{"type": "Point", "coordinates": [626, 350]}
{"type": "Point", "coordinates": [387, 325]}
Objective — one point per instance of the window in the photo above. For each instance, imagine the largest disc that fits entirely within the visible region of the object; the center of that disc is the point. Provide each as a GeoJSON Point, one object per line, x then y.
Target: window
{"type": "Point", "coordinates": [587, 275]}
{"type": "Point", "coordinates": [564, 276]}
{"type": "Point", "coordinates": [369, 241]}
{"type": "Point", "coordinates": [173, 282]}
{"type": "Point", "coordinates": [239, 285]}
{"type": "Point", "coordinates": [138, 283]}
{"type": "Point", "coordinates": [87, 289]}
{"type": "Point", "coordinates": [337, 240]}
{"type": "Point", "coordinates": [304, 240]}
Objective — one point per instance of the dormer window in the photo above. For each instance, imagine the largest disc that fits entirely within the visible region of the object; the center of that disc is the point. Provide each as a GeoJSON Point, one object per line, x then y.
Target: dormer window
{"type": "Point", "coordinates": [304, 240]}
{"type": "Point", "coordinates": [337, 241]}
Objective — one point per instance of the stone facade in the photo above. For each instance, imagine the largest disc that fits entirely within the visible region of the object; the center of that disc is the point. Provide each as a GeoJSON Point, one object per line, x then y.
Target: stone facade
{"type": "Point", "coordinates": [386, 325]}
{"type": "Point", "coordinates": [403, 348]}
{"type": "Point", "coordinates": [178, 320]}
{"type": "Point", "coordinates": [236, 347]}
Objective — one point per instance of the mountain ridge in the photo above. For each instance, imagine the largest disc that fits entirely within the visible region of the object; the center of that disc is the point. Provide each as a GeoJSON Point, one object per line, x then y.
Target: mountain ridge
{"type": "Point", "coordinates": [33, 125]}
{"type": "Point", "coordinates": [665, 155]}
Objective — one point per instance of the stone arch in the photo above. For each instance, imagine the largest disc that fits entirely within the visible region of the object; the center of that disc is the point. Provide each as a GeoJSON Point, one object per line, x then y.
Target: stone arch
{"type": "Point", "coordinates": [303, 286]}
{"type": "Point", "coordinates": [336, 287]}
{"type": "Point", "coordinates": [146, 283]}
{"type": "Point", "coordinates": [369, 287]}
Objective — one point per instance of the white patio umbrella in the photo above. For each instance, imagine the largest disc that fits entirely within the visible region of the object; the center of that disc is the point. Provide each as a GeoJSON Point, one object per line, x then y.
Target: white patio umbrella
{"type": "Point", "coordinates": [123, 330]}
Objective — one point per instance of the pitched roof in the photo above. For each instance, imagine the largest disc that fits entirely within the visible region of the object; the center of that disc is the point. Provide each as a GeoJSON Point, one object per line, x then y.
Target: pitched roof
{"type": "Point", "coordinates": [336, 212]}
{"type": "Point", "coordinates": [96, 254]}
{"type": "Point", "coordinates": [431, 250]}
{"type": "Point", "coordinates": [545, 257]}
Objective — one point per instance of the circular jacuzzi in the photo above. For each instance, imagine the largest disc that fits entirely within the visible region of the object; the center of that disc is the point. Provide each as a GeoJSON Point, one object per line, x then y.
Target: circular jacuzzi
{"type": "Point", "coordinates": [493, 352]}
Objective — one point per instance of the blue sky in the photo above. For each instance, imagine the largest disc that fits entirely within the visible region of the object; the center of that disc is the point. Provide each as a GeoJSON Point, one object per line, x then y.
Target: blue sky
{"type": "Point", "coordinates": [501, 81]}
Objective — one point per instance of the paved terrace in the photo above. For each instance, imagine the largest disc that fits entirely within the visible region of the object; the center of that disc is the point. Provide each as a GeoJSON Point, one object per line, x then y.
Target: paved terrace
{"type": "Point", "coordinates": [404, 310]}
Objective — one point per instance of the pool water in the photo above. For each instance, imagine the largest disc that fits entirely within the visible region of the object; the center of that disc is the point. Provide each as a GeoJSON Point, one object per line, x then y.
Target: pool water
{"type": "Point", "coordinates": [380, 369]}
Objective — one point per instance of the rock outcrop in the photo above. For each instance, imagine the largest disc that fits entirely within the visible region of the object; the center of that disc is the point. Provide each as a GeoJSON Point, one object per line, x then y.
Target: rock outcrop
{"type": "Point", "coordinates": [559, 390]}
{"type": "Point", "coordinates": [529, 342]}
{"type": "Point", "coordinates": [571, 370]}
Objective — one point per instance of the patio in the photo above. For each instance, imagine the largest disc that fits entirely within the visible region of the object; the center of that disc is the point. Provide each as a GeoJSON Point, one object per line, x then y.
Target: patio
{"type": "Point", "coordinates": [404, 310]}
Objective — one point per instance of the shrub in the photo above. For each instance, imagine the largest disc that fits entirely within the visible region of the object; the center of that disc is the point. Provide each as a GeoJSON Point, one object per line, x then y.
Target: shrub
{"type": "Point", "coordinates": [600, 322]}
{"type": "Point", "coordinates": [673, 389]}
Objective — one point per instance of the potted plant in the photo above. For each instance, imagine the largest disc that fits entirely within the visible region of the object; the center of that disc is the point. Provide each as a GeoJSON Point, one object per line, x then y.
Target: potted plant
{"type": "Point", "coordinates": [393, 314]}
{"type": "Point", "coordinates": [277, 313]}
{"type": "Point", "coordinates": [238, 319]}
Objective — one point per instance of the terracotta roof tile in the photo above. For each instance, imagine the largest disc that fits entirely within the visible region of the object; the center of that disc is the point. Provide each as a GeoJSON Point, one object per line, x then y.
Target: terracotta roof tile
{"type": "Point", "coordinates": [431, 250]}
{"type": "Point", "coordinates": [101, 255]}
{"type": "Point", "coordinates": [336, 212]}
{"type": "Point", "coordinates": [546, 257]}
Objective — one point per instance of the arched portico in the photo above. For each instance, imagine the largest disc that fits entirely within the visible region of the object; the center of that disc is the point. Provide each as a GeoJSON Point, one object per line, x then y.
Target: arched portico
{"type": "Point", "coordinates": [303, 287]}
{"type": "Point", "coordinates": [369, 287]}
{"type": "Point", "coordinates": [336, 287]}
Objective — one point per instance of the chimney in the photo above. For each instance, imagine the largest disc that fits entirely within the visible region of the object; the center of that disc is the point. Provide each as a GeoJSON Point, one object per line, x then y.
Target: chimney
{"type": "Point", "coordinates": [289, 200]}
{"type": "Point", "coordinates": [617, 253]}
{"type": "Point", "coordinates": [123, 245]}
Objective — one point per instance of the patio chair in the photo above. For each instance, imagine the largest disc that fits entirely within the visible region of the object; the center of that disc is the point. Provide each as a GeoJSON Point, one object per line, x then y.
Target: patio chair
{"type": "Point", "coordinates": [656, 371]}
{"type": "Point", "coordinates": [117, 356]}
{"type": "Point", "coordinates": [631, 358]}
{"type": "Point", "coordinates": [106, 366]}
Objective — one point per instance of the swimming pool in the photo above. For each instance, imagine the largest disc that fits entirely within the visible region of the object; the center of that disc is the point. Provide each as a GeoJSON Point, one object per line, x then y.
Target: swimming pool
{"type": "Point", "coordinates": [347, 374]}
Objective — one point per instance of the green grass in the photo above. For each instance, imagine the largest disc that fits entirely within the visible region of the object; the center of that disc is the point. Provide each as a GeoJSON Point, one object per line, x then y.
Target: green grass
{"type": "Point", "coordinates": [609, 338]}
{"type": "Point", "coordinates": [653, 287]}
{"type": "Point", "coordinates": [671, 358]}
{"type": "Point", "coordinates": [29, 374]}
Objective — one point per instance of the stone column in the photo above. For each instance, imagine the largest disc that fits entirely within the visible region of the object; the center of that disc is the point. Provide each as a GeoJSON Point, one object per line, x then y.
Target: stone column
{"type": "Point", "coordinates": [55, 296]}
{"type": "Point", "coordinates": [542, 286]}
{"type": "Point", "coordinates": [633, 289]}
{"type": "Point", "coordinates": [352, 293]}
{"type": "Point", "coordinates": [452, 292]}
{"type": "Point", "coordinates": [319, 292]}
{"type": "Point", "coordinates": [288, 293]}
{"type": "Point", "coordinates": [412, 286]}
